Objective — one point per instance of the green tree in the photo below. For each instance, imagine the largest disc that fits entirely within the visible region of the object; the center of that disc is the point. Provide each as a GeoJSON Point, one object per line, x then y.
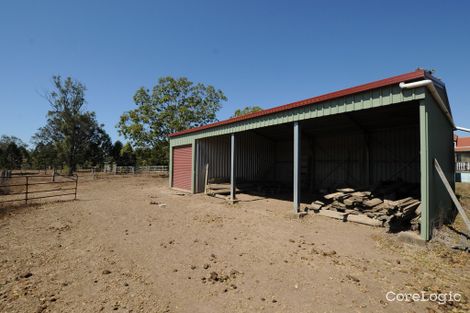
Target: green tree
{"type": "Point", "coordinates": [127, 155]}
{"type": "Point", "coordinates": [73, 131]}
{"type": "Point", "coordinates": [13, 152]}
{"type": "Point", "coordinates": [175, 104]}
{"type": "Point", "coordinates": [147, 156]}
{"type": "Point", "coordinates": [246, 110]}
{"type": "Point", "coordinates": [98, 148]}
{"type": "Point", "coordinates": [13, 157]}
{"type": "Point", "coordinates": [116, 152]}
{"type": "Point", "coordinates": [45, 155]}
{"type": "Point", "coordinates": [6, 140]}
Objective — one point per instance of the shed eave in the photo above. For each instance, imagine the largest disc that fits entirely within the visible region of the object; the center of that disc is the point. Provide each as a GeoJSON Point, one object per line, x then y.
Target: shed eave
{"type": "Point", "coordinates": [418, 74]}
{"type": "Point", "coordinates": [370, 99]}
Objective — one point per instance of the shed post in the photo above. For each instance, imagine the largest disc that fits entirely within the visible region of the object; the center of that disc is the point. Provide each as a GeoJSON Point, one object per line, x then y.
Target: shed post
{"type": "Point", "coordinates": [232, 167]}
{"type": "Point", "coordinates": [170, 166]}
{"type": "Point", "coordinates": [424, 169]}
{"type": "Point", "coordinates": [196, 168]}
{"type": "Point", "coordinates": [297, 140]}
{"type": "Point", "coordinates": [193, 166]}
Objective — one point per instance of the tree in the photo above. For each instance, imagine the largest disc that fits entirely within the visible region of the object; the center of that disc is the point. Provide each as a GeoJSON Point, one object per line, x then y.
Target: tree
{"type": "Point", "coordinates": [74, 133]}
{"type": "Point", "coordinates": [98, 148]}
{"type": "Point", "coordinates": [45, 155]}
{"type": "Point", "coordinates": [175, 104]}
{"type": "Point", "coordinates": [6, 140]}
{"type": "Point", "coordinates": [116, 152]}
{"type": "Point", "coordinates": [13, 152]}
{"type": "Point", "coordinates": [246, 110]}
{"type": "Point", "coordinates": [127, 155]}
{"type": "Point", "coordinates": [147, 156]}
{"type": "Point", "coordinates": [12, 157]}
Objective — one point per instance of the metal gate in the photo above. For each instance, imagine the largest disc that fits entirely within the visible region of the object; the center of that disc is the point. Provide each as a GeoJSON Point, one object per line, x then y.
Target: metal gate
{"type": "Point", "coordinates": [182, 167]}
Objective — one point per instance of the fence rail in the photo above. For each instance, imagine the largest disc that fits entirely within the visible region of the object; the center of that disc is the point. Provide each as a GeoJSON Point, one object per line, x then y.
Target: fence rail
{"type": "Point", "coordinates": [153, 169]}
{"type": "Point", "coordinates": [35, 187]}
{"type": "Point", "coordinates": [462, 167]}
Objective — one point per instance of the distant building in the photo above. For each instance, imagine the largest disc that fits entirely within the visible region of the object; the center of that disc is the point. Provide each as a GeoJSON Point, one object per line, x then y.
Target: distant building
{"type": "Point", "coordinates": [462, 159]}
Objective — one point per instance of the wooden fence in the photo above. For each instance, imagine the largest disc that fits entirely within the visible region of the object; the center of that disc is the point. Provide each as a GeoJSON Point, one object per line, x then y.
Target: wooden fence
{"type": "Point", "coordinates": [34, 187]}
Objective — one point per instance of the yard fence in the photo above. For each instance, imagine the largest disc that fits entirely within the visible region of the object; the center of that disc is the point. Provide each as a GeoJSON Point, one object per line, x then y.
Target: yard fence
{"type": "Point", "coordinates": [26, 188]}
{"type": "Point", "coordinates": [462, 167]}
{"type": "Point", "coordinates": [153, 169]}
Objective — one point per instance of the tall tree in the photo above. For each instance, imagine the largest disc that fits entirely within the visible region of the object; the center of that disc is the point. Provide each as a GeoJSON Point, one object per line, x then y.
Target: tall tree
{"type": "Point", "coordinates": [13, 152]}
{"type": "Point", "coordinates": [12, 157]}
{"type": "Point", "coordinates": [174, 104]}
{"type": "Point", "coordinates": [246, 110]}
{"type": "Point", "coordinates": [116, 152]}
{"type": "Point", "coordinates": [127, 155]}
{"type": "Point", "coordinates": [45, 155]}
{"type": "Point", "coordinates": [73, 131]}
{"type": "Point", "coordinates": [6, 140]}
{"type": "Point", "coordinates": [98, 148]}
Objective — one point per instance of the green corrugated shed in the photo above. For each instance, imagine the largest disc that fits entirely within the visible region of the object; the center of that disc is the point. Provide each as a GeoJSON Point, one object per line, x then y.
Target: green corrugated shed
{"type": "Point", "coordinates": [435, 133]}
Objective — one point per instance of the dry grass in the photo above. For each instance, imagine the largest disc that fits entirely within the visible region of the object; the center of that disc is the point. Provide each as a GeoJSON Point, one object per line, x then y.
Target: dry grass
{"type": "Point", "coordinates": [463, 193]}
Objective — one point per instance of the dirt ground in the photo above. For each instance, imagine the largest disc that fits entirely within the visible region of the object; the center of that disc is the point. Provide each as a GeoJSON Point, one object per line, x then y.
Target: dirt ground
{"type": "Point", "coordinates": [134, 245]}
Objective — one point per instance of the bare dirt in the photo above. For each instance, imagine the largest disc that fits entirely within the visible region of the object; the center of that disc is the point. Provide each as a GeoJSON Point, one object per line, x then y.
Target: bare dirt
{"type": "Point", "coordinates": [134, 245]}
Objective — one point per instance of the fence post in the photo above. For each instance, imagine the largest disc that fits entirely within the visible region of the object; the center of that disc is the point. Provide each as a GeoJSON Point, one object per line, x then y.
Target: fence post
{"type": "Point", "coordinates": [76, 186]}
{"type": "Point", "coordinates": [26, 192]}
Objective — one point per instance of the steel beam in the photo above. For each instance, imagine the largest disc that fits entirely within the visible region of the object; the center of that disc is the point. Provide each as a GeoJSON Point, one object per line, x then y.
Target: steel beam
{"type": "Point", "coordinates": [297, 167]}
{"type": "Point", "coordinates": [232, 168]}
{"type": "Point", "coordinates": [425, 169]}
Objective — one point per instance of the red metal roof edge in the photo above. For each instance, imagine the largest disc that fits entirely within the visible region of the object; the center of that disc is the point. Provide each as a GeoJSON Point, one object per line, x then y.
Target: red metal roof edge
{"type": "Point", "coordinates": [462, 149]}
{"type": "Point", "coordinates": [329, 96]}
{"type": "Point", "coordinates": [462, 143]}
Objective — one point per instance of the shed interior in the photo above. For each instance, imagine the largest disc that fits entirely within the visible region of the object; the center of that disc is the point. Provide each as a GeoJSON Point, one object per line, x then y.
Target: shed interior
{"type": "Point", "coordinates": [358, 149]}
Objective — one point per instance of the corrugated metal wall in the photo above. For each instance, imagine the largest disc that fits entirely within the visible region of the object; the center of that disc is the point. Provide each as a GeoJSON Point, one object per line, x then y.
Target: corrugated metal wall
{"type": "Point", "coordinates": [439, 134]}
{"type": "Point", "coordinates": [214, 152]}
{"type": "Point", "coordinates": [361, 159]}
{"type": "Point", "coordinates": [395, 154]}
{"type": "Point", "coordinates": [254, 158]}
{"type": "Point", "coordinates": [284, 161]}
{"type": "Point", "coordinates": [339, 159]}
{"type": "Point", "coordinates": [329, 160]}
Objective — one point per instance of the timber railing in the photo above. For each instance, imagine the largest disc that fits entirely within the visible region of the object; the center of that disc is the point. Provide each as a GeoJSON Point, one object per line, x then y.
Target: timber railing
{"type": "Point", "coordinates": [462, 167]}
{"type": "Point", "coordinates": [27, 188]}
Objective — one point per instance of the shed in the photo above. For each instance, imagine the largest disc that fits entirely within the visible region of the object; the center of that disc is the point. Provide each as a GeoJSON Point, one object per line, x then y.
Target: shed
{"type": "Point", "coordinates": [388, 129]}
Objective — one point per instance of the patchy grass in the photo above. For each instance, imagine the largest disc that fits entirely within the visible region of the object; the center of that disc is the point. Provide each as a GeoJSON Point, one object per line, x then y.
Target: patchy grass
{"type": "Point", "coordinates": [463, 193]}
{"type": "Point", "coordinates": [436, 268]}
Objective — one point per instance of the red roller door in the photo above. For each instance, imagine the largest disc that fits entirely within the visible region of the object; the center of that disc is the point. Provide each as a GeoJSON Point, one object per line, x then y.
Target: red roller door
{"type": "Point", "coordinates": [182, 167]}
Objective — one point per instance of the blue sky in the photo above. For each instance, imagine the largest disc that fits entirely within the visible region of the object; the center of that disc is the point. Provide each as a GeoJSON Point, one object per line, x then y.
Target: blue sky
{"type": "Point", "coordinates": [262, 53]}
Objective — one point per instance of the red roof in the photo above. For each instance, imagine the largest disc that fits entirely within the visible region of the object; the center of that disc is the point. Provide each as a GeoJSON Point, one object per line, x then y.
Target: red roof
{"type": "Point", "coordinates": [419, 73]}
{"type": "Point", "coordinates": [462, 144]}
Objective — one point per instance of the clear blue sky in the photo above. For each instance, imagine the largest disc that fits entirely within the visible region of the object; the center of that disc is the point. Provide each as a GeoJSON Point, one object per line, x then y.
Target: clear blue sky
{"type": "Point", "coordinates": [262, 53]}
